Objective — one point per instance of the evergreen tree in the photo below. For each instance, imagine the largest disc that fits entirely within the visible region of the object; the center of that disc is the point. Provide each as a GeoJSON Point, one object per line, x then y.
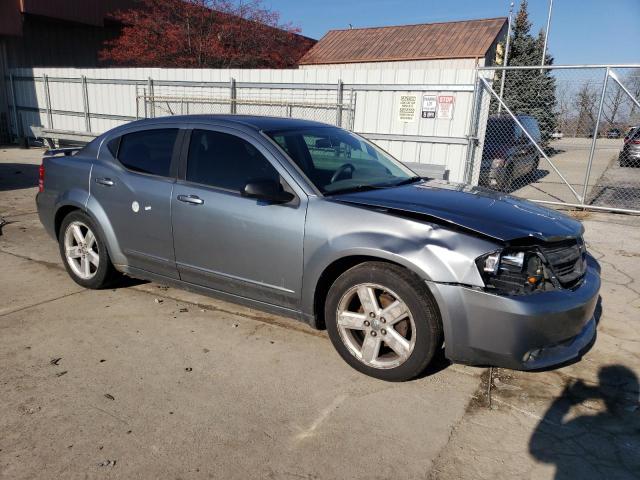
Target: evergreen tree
{"type": "Point", "coordinates": [530, 91]}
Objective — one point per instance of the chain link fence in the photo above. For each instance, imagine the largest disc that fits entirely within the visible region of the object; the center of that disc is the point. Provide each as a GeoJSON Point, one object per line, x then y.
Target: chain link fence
{"type": "Point", "coordinates": [559, 135]}
{"type": "Point", "coordinates": [332, 107]}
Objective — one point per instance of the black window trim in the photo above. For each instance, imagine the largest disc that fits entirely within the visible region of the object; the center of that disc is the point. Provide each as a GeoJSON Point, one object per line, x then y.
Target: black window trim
{"type": "Point", "coordinates": [175, 154]}
{"type": "Point", "coordinates": [181, 176]}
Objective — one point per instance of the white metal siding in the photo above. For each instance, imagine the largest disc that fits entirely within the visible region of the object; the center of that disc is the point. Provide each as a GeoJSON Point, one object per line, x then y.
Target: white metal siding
{"type": "Point", "coordinates": [375, 113]}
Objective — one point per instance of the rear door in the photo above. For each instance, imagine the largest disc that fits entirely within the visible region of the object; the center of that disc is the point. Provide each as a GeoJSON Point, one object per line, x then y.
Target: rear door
{"type": "Point", "coordinates": [228, 242]}
{"type": "Point", "coordinates": [133, 181]}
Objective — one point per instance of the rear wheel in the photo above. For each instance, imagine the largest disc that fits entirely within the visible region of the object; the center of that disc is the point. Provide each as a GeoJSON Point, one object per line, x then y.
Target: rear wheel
{"type": "Point", "coordinates": [383, 321]}
{"type": "Point", "coordinates": [84, 252]}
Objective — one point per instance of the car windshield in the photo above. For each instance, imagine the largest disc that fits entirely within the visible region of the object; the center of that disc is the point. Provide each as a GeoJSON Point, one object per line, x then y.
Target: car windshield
{"type": "Point", "coordinates": [337, 161]}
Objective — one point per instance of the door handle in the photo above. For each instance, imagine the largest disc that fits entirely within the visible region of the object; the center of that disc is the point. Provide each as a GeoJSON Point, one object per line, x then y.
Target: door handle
{"type": "Point", "coordinates": [192, 199]}
{"type": "Point", "coordinates": [107, 182]}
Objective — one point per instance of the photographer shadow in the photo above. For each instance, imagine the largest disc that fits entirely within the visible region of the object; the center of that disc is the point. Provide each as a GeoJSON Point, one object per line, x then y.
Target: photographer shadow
{"type": "Point", "coordinates": [601, 445]}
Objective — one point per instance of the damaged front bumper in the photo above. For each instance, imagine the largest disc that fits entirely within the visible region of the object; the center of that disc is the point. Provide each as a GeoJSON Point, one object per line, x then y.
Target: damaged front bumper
{"type": "Point", "coordinates": [523, 332]}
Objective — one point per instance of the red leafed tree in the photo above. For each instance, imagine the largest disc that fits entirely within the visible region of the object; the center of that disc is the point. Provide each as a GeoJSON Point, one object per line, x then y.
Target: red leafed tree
{"type": "Point", "coordinates": [204, 34]}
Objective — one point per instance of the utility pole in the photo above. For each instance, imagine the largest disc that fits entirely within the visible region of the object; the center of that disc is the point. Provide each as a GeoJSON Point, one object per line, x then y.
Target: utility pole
{"type": "Point", "coordinates": [505, 58]}
{"type": "Point", "coordinates": [546, 34]}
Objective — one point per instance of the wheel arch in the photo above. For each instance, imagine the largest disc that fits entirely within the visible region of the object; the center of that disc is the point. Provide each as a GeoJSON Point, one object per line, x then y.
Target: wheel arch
{"type": "Point", "coordinates": [336, 268]}
{"type": "Point", "coordinates": [99, 218]}
{"type": "Point", "coordinates": [60, 215]}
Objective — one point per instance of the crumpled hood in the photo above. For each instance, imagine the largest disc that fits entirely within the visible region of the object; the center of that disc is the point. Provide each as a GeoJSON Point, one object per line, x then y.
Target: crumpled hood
{"type": "Point", "coordinates": [481, 210]}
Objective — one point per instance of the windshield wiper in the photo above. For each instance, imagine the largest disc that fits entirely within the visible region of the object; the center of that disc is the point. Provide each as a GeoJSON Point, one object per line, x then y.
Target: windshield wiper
{"type": "Point", "coordinates": [407, 181]}
{"type": "Point", "coordinates": [355, 188]}
{"type": "Point", "coordinates": [364, 187]}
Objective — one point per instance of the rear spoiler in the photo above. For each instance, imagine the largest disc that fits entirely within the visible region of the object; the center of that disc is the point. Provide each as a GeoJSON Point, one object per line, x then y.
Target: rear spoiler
{"type": "Point", "coordinates": [67, 152]}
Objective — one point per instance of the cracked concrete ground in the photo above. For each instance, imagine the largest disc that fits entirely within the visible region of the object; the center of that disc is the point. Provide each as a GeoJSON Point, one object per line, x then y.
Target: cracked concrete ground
{"type": "Point", "coordinates": [127, 384]}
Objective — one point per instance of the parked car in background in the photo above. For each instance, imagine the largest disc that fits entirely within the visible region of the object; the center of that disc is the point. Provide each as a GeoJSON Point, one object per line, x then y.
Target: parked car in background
{"type": "Point", "coordinates": [614, 133]}
{"type": "Point", "coordinates": [630, 131]}
{"type": "Point", "coordinates": [557, 135]}
{"type": "Point", "coordinates": [508, 154]}
{"type": "Point", "coordinates": [314, 222]}
{"type": "Point", "coordinates": [630, 153]}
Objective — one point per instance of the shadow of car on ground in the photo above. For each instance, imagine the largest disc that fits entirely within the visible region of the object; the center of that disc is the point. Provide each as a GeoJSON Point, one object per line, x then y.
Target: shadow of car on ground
{"type": "Point", "coordinates": [16, 176]}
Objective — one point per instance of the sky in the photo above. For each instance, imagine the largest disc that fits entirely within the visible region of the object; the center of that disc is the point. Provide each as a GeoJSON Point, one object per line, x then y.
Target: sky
{"type": "Point", "coordinates": [582, 31]}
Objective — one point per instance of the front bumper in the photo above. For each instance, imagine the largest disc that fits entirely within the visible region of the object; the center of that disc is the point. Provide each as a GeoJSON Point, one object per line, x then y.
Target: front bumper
{"type": "Point", "coordinates": [525, 332]}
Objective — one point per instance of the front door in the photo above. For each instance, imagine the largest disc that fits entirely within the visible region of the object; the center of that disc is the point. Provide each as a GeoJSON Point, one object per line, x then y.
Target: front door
{"type": "Point", "coordinates": [133, 183]}
{"type": "Point", "coordinates": [228, 242]}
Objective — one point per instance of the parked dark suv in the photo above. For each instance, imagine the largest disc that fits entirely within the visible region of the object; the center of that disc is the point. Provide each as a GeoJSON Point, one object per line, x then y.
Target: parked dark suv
{"type": "Point", "coordinates": [508, 154]}
{"type": "Point", "coordinates": [630, 153]}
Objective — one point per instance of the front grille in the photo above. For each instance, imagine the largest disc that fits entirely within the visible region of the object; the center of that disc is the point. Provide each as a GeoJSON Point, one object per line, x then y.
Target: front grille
{"type": "Point", "coordinates": [567, 260]}
{"type": "Point", "coordinates": [512, 283]}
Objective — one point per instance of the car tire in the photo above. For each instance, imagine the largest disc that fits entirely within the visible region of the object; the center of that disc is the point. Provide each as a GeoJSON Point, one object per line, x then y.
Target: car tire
{"type": "Point", "coordinates": [403, 343]}
{"type": "Point", "coordinates": [84, 252]}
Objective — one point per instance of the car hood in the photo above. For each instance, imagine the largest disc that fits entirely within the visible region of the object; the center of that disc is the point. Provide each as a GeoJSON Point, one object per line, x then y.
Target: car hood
{"type": "Point", "coordinates": [477, 209]}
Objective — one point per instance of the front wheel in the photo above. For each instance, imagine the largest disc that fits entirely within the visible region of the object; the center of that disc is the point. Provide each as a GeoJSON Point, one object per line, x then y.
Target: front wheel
{"type": "Point", "coordinates": [84, 252]}
{"type": "Point", "coordinates": [383, 321]}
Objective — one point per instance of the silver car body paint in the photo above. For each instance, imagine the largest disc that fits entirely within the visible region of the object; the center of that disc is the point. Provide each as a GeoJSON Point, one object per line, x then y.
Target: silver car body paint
{"type": "Point", "coordinates": [273, 256]}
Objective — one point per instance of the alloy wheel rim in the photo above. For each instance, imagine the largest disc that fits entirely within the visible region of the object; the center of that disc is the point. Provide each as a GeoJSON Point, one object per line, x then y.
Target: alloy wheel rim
{"type": "Point", "coordinates": [376, 326]}
{"type": "Point", "coordinates": [81, 250]}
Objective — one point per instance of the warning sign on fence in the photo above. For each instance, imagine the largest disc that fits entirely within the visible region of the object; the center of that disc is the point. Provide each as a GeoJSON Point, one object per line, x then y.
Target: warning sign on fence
{"type": "Point", "coordinates": [407, 108]}
{"type": "Point", "coordinates": [445, 106]}
{"type": "Point", "coordinates": [429, 105]}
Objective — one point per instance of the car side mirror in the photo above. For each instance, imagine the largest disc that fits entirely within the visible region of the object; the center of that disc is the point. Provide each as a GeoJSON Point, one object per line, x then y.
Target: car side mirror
{"type": "Point", "coordinates": [268, 190]}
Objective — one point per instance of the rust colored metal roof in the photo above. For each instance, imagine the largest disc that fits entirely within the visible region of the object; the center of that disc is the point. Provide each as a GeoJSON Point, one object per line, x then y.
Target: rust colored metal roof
{"type": "Point", "coordinates": [427, 41]}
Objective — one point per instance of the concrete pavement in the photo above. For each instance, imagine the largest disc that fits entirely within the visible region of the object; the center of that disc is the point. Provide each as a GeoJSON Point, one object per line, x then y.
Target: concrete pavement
{"type": "Point", "coordinates": [151, 382]}
{"type": "Point", "coordinates": [570, 156]}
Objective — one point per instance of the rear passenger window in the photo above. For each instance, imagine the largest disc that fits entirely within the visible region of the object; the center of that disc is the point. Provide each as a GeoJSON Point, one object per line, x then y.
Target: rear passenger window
{"type": "Point", "coordinates": [148, 151]}
{"type": "Point", "coordinates": [226, 161]}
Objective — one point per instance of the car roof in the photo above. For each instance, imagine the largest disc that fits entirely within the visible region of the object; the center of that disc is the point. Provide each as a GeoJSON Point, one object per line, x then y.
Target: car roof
{"type": "Point", "coordinates": [255, 122]}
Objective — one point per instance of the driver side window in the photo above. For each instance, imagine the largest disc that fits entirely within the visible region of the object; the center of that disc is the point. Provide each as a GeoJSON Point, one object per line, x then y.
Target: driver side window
{"type": "Point", "coordinates": [225, 161]}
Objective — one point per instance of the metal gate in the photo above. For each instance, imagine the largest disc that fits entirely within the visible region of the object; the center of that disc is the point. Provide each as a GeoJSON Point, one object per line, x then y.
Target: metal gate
{"type": "Point", "coordinates": [560, 135]}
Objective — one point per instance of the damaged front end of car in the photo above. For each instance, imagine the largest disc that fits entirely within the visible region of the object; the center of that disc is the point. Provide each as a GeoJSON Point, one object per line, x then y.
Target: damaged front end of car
{"type": "Point", "coordinates": [522, 270]}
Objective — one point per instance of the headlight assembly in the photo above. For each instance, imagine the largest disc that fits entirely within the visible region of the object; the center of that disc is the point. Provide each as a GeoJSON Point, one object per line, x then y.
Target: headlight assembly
{"type": "Point", "coordinates": [514, 271]}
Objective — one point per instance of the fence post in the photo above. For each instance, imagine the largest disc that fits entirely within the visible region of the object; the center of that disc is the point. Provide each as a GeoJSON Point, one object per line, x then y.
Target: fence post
{"type": "Point", "coordinates": [595, 136]}
{"type": "Point", "coordinates": [47, 98]}
{"type": "Point", "coordinates": [152, 104]}
{"type": "Point", "coordinates": [352, 109]}
{"type": "Point", "coordinates": [15, 104]}
{"type": "Point", "coordinates": [85, 101]}
{"type": "Point", "coordinates": [472, 136]}
{"type": "Point", "coordinates": [339, 95]}
{"type": "Point", "coordinates": [233, 96]}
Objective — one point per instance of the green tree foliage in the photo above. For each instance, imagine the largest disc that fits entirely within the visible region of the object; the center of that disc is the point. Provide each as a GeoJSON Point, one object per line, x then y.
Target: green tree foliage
{"type": "Point", "coordinates": [530, 91]}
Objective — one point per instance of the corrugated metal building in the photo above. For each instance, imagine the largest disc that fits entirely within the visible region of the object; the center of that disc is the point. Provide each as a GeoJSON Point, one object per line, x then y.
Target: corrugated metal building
{"type": "Point", "coordinates": [461, 44]}
{"type": "Point", "coordinates": [52, 33]}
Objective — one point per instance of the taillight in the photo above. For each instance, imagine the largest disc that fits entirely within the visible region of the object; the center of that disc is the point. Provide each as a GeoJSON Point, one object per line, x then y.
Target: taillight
{"type": "Point", "coordinates": [41, 177]}
{"type": "Point", "coordinates": [635, 142]}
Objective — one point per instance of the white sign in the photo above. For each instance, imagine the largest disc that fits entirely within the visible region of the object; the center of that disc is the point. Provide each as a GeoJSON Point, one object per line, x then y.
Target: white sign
{"type": "Point", "coordinates": [445, 106]}
{"type": "Point", "coordinates": [407, 108]}
{"type": "Point", "coordinates": [429, 105]}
